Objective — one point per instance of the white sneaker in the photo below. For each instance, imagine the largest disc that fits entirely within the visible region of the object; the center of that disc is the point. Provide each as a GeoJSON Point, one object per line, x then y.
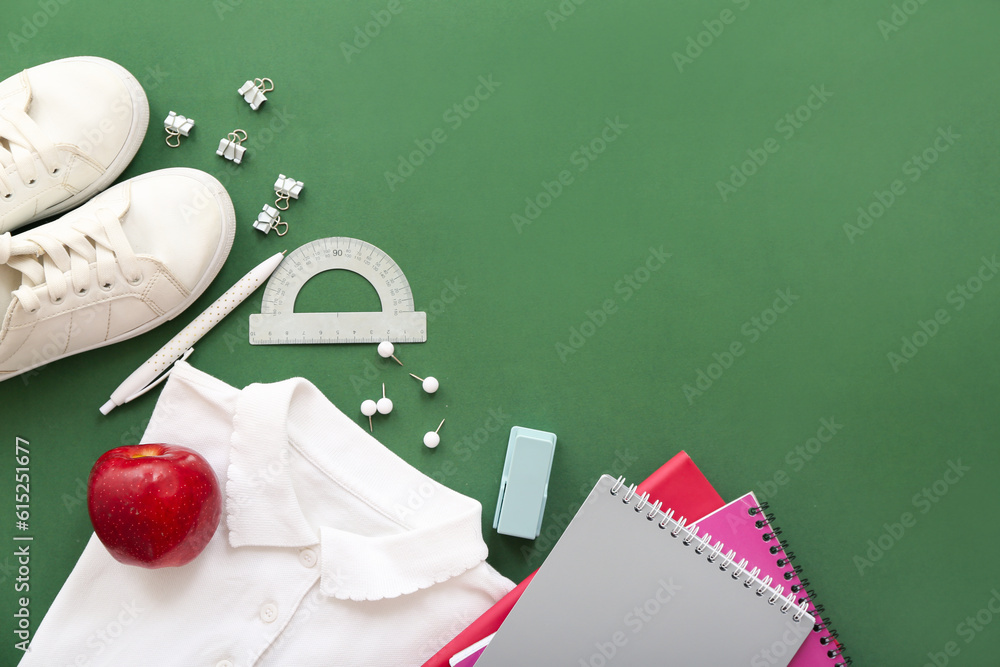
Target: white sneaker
{"type": "Point", "coordinates": [68, 129]}
{"type": "Point", "coordinates": [131, 258]}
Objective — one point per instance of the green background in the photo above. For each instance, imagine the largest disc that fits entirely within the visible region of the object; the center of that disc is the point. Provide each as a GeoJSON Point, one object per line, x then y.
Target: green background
{"type": "Point", "coordinates": [340, 121]}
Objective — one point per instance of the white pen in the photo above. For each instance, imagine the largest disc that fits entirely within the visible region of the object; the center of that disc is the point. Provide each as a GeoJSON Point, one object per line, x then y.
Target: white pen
{"type": "Point", "coordinates": [149, 374]}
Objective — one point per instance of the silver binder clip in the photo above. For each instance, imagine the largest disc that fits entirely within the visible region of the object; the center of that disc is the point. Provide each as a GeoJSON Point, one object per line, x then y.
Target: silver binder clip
{"type": "Point", "coordinates": [253, 91]}
{"type": "Point", "coordinates": [231, 148]}
{"type": "Point", "coordinates": [177, 127]}
{"type": "Point", "coordinates": [269, 219]}
{"type": "Point", "coordinates": [286, 188]}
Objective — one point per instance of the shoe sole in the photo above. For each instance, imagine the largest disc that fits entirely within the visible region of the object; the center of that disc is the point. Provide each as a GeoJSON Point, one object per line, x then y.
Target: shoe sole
{"type": "Point", "coordinates": [218, 259]}
{"type": "Point", "coordinates": [137, 133]}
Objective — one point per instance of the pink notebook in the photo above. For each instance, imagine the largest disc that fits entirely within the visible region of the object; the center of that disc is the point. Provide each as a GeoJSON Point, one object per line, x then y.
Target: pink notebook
{"type": "Point", "coordinates": [744, 526]}
{"type": "Point", "coordinates": [469, 656]}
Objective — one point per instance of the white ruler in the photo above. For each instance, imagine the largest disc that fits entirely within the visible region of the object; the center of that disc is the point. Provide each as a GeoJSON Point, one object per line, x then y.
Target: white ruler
{"type": "Point", "coordinates": [277, 324]}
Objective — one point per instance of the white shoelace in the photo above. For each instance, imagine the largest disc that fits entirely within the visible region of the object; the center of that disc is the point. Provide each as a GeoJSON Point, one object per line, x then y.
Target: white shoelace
{"type": "Point", "coordinates": [20, 140]}
{"type": "Point", "coordinates": [44, 257]}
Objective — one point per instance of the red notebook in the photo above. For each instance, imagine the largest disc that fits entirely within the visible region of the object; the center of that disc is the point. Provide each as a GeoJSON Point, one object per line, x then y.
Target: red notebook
{"type": "Point", "coordinates": [677, 484]}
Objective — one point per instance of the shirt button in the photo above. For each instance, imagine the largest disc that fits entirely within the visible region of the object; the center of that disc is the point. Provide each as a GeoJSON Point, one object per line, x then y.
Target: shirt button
{"type": "Point", "coordinates": [307, 557]}
{"type": "Point", "coordinates": [268, 613]}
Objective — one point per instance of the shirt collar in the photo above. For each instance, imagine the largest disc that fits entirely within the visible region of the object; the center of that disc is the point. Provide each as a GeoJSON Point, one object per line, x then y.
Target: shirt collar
{"type": "Point", "coordinates": [439, 533]}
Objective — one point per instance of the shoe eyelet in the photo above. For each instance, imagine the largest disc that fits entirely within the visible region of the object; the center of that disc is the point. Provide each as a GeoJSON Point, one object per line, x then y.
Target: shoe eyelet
{"type": "Point", "coordinates": [136, 281]}
{"type": "Point", "coordinates": [57, 301]}
{"type": "Point", "coordinates": [56, 171]}
{"type": "Point", "coordinates": [83, 292]}
{"type": "Point", "coordinates": [9, 195]}
{"type": "Point", "coordinates": [32, 182]}
{"type": "Point", "coordinates": [107, 287]}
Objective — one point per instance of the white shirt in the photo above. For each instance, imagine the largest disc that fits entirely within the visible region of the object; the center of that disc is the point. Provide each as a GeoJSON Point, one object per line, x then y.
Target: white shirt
{"type": "Point", "coordinates": [331, 551]}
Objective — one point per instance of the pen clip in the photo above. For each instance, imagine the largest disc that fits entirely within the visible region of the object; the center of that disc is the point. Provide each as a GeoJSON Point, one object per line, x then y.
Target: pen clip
{"type": "Point", "coordinates": [161, 378]}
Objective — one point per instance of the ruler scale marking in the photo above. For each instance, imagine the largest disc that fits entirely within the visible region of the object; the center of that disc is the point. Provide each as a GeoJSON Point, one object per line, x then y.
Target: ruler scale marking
{"type": "Point", "coordinates": [396, 322]}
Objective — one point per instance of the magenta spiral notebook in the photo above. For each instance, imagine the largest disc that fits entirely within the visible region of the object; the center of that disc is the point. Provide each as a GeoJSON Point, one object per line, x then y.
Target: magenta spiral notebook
{"type": "Point", "coordinates": [745, 526]}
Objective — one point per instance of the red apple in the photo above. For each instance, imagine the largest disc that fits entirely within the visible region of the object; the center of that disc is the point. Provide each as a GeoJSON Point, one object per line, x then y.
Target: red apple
{"type": "Point", "coordinates": [154, 505]}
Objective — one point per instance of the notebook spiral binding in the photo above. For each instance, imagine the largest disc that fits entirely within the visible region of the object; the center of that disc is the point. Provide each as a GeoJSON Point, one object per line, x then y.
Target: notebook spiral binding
{"type": "Point", "coordinates": [785, 557]}
{"type": "Point", "coordinates": [689, 535]}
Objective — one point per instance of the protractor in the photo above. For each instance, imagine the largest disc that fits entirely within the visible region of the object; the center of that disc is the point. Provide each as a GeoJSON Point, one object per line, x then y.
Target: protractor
{"type": "Point", "coordinates": [278, 324]}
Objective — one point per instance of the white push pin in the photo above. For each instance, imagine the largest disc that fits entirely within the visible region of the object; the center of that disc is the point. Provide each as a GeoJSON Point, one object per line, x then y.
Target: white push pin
{"type": "Point", "coordinates": [177, 127]}
{"type": "Point", "coordinates": [386, 350]}
{"type": "Point", "coordinates": [368, 408]}
{"type": "Point", "coordinates": [253, 91]}
{"type": "Point", "coordinates": [431, 438]}
{"type": "Point", "coordinates": [269, 219]}
{"type": "Point", "coordinates": [230, 147]}
{"type": "Point", "coordinates": [384, 405]}
{"type": "Point", "coordinates": [430, 384]}
{"type": "Point", "coordinates": [285, 189]}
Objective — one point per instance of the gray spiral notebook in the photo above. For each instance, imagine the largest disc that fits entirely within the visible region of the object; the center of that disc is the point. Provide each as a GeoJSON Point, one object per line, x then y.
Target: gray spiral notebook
{"type": "Point", "coordinates": [628, 585]}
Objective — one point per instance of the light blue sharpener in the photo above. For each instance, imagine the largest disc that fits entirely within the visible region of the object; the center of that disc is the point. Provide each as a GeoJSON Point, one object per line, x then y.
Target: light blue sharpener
{"type": "Point", "coordinates": [524, 486]}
